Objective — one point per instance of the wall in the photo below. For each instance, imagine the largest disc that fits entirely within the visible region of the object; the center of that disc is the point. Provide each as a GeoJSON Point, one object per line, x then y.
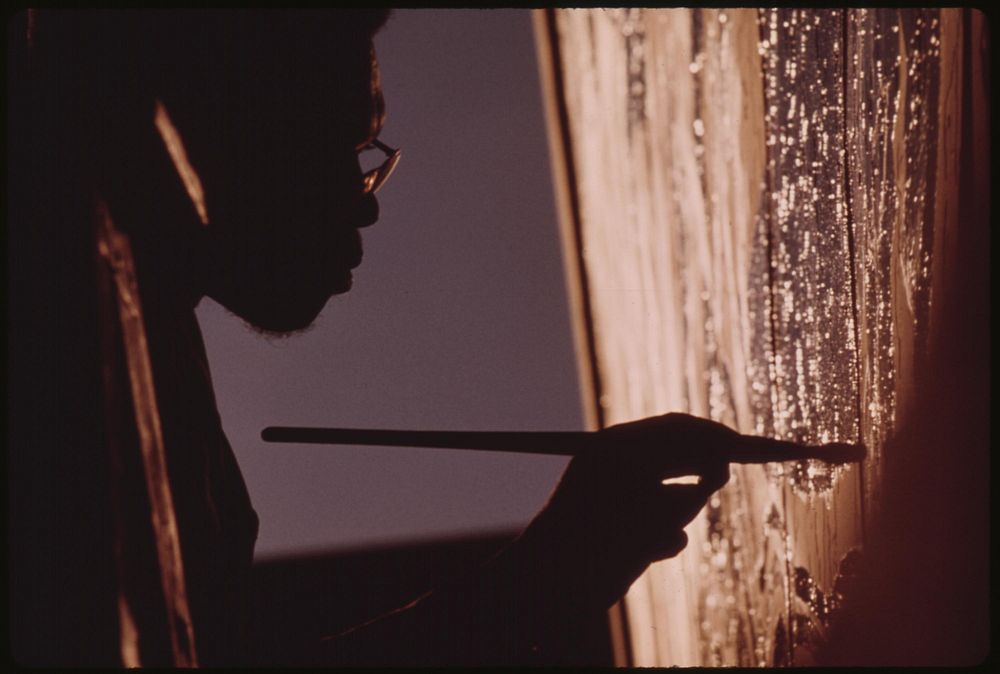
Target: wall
{"type": "Point", "coordinates": [758, 201]}
{"type": "Point", "coordinates": [457, 318]}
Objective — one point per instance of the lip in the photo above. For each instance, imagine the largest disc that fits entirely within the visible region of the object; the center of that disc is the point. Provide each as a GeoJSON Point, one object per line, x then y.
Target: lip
{"type": "Point", "coordinates": [357, 258]}
{"type": "Point", "coordinates": [356, 252]}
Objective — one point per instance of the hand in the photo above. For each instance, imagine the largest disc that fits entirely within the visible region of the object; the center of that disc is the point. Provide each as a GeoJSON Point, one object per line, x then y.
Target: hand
{"type": "Point", "coordinates": [611, 515]}
{"type": "Point", "coordinates": [608, 519]}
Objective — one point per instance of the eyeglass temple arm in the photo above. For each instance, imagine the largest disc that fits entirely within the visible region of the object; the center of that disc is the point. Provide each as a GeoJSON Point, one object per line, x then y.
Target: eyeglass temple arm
{"type": "Point", "coordinates": [382, 146]}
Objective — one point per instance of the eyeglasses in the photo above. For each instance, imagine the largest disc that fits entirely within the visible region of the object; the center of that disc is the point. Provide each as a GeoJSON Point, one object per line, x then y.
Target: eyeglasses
{"type": "Point", "coordinates": [375, 178]}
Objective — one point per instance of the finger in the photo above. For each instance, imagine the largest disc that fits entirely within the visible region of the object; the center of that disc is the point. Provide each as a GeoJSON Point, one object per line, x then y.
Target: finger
{"type": "Point", "coordinates": [713, 478]}
{"type": "Point", "coordinates": [679, 443]}
{"type": "Point", "coordinates": [708, 475]}
{"type": "Point", "coordinates": [755, 449]}
{"type": "Point", "coordinates": [674, 507]}
{"type": "Point", "coordinates": [671, 546]}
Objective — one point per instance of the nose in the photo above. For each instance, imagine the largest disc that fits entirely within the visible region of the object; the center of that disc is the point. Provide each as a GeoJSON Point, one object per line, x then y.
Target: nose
{"type": "Point", "coordinates": [346, 180]}
{"type": "Point", "coordinates": [362, 207]}
{"type": "Point", "coordinates": [368, 211]}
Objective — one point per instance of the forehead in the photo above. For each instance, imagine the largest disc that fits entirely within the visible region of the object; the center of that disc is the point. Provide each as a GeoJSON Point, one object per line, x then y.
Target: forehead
{"type": "Point", "coordinates": [307, 71]}
{"type": "Point", "coordinates": [313, 43]}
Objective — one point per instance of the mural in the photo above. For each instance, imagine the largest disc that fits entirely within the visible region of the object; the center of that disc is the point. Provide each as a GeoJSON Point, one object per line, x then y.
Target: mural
{"type": "Point", "coordinates": [749, 208]}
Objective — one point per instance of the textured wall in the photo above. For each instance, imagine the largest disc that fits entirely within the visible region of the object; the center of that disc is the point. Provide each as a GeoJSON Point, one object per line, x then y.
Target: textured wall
{"type": "Point", "coordinates": [753, 199]}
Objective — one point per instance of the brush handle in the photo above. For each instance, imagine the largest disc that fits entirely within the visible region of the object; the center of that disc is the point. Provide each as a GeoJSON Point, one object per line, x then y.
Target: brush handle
{"type": "Point", "coordinates": [746, 448]}
{"type": "Point", "coordinates": [568, 443]}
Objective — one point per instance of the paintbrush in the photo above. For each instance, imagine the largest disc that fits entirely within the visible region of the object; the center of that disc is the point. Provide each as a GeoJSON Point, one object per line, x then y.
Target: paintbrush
{"type": "Point", "coordinates": [739, 449]}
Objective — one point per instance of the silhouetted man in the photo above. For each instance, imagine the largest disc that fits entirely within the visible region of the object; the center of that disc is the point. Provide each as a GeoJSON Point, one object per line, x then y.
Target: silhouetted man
{"type": "Point", "coordinates": [258, 203]}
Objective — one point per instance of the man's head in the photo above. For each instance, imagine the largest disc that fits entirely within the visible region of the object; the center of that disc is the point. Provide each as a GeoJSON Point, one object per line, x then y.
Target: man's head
{"type": "Point", "coordinates": [297, 98]}
{"type": "Point", "coordinates": [273, 108]}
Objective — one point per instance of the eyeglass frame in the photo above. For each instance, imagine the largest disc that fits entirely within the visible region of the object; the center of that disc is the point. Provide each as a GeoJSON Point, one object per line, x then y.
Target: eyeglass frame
{"type": "Point", "coordinates": [376, 177]}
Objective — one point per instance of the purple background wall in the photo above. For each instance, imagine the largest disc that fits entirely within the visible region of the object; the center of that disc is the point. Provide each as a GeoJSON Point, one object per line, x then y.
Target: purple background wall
{"type": "Point", "coordinates": [457, 319]}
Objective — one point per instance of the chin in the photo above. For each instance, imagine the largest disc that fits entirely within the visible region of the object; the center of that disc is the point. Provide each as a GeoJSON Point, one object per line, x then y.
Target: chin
{"type": "Point", "coordinates": [297, 314]}
{"type": "Point", "coordinates": [343, 285]}
{"type": "Point", "coordinates": [282, 308]}
{"type": "Point", "coordinates": [277, 318]}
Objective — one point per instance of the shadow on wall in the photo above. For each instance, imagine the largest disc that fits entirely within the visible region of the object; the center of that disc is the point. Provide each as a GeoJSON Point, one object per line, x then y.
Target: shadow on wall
{"type": "Point", "coordinates": [298, 600]}
{"type": "Point", "coordinates": [923, 597]}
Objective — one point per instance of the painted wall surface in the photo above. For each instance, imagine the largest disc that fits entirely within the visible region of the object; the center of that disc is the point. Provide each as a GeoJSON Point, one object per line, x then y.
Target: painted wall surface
{"type": "Point", "coordinates": [757, 200]}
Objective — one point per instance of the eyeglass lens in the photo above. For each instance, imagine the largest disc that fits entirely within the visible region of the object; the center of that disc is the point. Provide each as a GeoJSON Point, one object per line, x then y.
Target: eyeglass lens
{"type": "Point", "coordinates": [375, 178]}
